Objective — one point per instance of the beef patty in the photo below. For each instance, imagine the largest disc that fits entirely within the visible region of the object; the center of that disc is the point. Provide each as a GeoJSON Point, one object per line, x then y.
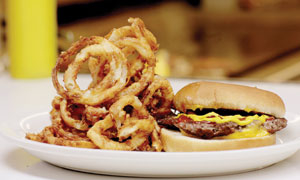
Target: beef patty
{"type": "Point", "coordinates": [208, 130]}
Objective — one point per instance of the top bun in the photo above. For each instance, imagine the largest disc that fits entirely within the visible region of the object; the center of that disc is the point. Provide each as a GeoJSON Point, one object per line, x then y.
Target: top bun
{"type": "Point", "coordinates": [228, 96]}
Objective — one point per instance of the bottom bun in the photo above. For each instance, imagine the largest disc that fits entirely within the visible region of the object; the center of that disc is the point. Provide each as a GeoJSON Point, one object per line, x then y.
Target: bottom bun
{"type": "Point", "coordinates": [174, 141]}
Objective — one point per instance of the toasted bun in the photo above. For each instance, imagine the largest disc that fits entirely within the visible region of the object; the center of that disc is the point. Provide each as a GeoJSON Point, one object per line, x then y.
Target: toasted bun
{"type": "Point", "coordinates": [174, 141]}
{"type": "Point", "coordinates": [228, 96]}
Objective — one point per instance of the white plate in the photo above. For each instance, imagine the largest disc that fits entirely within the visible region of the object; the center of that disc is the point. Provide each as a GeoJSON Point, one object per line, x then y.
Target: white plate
{"type": "Point", "coordinates": [153, 164]}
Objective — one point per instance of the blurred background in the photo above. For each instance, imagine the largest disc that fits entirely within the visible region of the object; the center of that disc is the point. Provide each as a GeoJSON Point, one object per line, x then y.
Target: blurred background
{"type": "Point", "coordinates": [212, 39]}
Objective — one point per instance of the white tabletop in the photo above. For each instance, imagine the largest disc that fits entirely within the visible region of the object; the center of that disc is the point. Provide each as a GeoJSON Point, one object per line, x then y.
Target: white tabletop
{"type": "Point", "coordinates": [20, 98]}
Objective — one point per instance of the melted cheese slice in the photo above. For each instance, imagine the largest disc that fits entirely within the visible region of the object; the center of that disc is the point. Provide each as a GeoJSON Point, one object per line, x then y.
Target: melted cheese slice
{"type": "Point", "coordinates": [247, 132]}
{"type": "Point", "coordinates": [252, 129]}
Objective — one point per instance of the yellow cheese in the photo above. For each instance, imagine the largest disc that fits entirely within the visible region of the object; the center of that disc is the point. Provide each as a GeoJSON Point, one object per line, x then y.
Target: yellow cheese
{"type": "Point", "coordinates": [214, 117]}
{"type": "Point", "coordinates": [247, 132]}
{"type": "Point", "coordinates": [252, 130]}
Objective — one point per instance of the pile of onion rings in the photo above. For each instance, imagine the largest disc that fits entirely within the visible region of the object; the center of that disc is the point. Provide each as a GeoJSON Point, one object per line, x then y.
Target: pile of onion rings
{"type": "Point", "coordinates": [119, 108]}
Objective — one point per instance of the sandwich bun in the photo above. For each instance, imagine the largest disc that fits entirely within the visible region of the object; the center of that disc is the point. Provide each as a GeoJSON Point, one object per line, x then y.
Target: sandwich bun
{"type": "Point", "coordinates": [214, 95]}
{"type": "Point", "coordinates": [175, 141]}
{"type": "Point", "coordinates": [228, 96]}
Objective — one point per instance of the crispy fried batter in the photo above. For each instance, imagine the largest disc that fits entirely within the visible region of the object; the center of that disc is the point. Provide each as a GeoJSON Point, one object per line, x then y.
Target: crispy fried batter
{"type": "Point", "coordinates": [115, 111]}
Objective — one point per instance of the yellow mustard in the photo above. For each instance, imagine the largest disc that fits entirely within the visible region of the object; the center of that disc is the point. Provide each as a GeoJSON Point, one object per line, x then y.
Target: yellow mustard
{"type": "Point", "coordinates": [214, 117]}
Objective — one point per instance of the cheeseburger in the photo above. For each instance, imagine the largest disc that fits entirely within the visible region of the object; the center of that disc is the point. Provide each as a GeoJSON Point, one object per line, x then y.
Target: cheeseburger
{"type": "Point", "coordinates": [217, 116]}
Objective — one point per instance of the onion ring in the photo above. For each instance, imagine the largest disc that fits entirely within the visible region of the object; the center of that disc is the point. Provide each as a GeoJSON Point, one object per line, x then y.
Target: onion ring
{"type": "Point", "coordinates": [64, 131]}
{"type": "Point", "coordinates": [129, 31]}
{"type": "Point", "coordinates": [161, 90]}
{"type": "Point", "coordinates": [96, 67]}
{"type": "Point", "coordinates": [116, 110]}
{"type": "Point", "coordinates": [59, 134]}
{"type": "Point", "coordinates": [50, 138]}
{"type": "Point", "coordinates": [155, 138]}
{"type": "Point", "coordinates": [119, 114]}
{"type": "Point", "coordinates": [66, 116]}
{"type": "Point", "coordinates": [132, 125]}
{"type": "Point", "coordinates": [103, 142]}
{"type": "Point", "coordinates": [94, 114]}
{"type": "Point", "coordinates": [112, 83]}
{"type": "Point", "coordinates": [136, 38]}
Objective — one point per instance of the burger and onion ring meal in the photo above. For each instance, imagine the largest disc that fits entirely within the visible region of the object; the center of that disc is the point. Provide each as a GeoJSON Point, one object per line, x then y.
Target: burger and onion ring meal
{"type": "Point", "coordinates": [127, 107]}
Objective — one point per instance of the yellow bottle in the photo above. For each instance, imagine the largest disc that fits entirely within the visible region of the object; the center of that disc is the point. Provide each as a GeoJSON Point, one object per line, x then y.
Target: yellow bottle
{"type": "Point", "coordinates": [31, 37]}
{"type": "Point", "coordinates": [162, 66]}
